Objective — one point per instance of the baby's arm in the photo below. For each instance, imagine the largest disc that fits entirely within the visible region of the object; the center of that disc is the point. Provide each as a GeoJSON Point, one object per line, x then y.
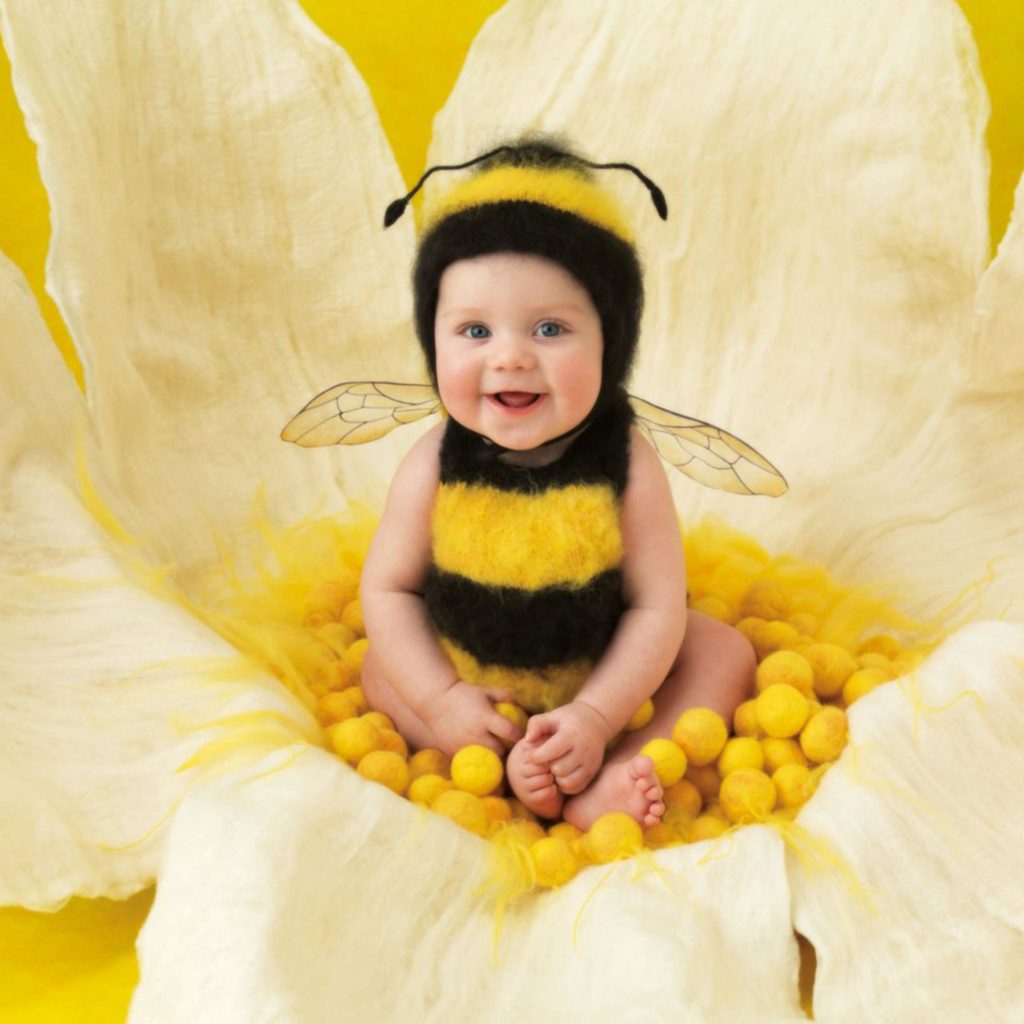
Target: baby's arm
{"type": "Point", "coordinates": [403, 642]}
{"type": "Point", "coordinates": [647, 639]}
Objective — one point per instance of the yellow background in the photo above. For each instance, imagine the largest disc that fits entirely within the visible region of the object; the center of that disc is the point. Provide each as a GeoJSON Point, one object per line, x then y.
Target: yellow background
{"type": "Point", "coordinates": [79, 964]}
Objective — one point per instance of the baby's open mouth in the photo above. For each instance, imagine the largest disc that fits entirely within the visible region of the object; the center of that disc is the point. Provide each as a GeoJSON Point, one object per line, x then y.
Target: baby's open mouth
{"type": "Point", "coordinates": [516, 399]}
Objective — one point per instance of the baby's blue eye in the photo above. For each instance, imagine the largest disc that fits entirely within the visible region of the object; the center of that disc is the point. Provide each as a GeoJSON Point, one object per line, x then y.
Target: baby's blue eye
{"type": "Point", "coordinates": [473, 328]}
{"type": "Point", "coordinates": [553, 333]}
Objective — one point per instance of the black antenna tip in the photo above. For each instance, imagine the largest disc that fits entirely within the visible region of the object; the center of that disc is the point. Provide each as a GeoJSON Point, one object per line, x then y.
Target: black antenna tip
{"type": "Point", "coordinates": [395, 210]}
{"type": "Point", "coordinates": [659, 201]}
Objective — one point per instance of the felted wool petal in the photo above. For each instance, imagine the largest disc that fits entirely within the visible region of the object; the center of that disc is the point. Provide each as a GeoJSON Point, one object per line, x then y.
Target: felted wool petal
{"type": "Point", "coordinates": [217, 178]}
{"type": "Point", "coordinates": [812, 289]}
{"type": "Point", "coordinates": [101, 680]}
{"type": "Point", "coordinates": [343, 900]}
{"type": "Point", "coordinates": [924, 807]}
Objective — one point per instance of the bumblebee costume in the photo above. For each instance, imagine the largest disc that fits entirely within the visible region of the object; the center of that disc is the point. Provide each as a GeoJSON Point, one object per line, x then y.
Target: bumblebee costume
{"type": "Point", "coordinates": [525, 583]}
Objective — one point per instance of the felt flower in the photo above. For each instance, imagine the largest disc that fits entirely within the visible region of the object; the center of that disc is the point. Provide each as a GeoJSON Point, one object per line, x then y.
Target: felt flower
{"type": "Point", "coordinates": [217, 177]}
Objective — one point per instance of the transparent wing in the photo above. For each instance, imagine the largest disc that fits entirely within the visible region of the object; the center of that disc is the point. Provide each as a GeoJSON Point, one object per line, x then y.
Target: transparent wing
{"type": "Point", "coordinates": [359, 411]}
{"type": "Point", "coordinates": [707, 453]}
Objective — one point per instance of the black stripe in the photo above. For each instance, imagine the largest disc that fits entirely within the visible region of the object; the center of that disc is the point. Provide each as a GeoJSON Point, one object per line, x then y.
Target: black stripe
{"type": "Point", "coordinates": [525, 628]}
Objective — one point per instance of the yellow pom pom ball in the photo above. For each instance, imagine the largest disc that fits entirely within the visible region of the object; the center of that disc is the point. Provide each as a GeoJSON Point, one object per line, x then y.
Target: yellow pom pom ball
{"type": "Point", "coordinates": [804, 623]}
{"type": "Point", "coordinates": [379, 719]}
{"type": "Point", "coordinates": [832, 666]}
{"type": "Point", "coordinates": [527, 832]}
{"type": "Point", "coordinates": [794, 784]}
{"type": "Point", "coordinates": [714, 606]}
{"type": "Point", "coordinates": [824, 735]}
{"type": "Point", "coordinates": [786, 667]}
{"type": "Point", "coordinates": [778, 752]}
{"type": "Point", "coordinates": [429, 761]}
{"type": "Point", "coordinates": [565, 830]}
{"type": "Point", "coordinates": [765, 600]}
{"type": "Point", "coordinates": [358, 698]}
{"type": "Point", "coordinates": [356, 653]}
{"type": "Point", "coordinates": [581, 851]}
{"type": "Point", "coordinates": [387, 768]}
{"type": "Point", "coordinates": [706, 778]}
{"type": "Point", "coordinates": [740, 752]}
{"type": "Point", "coordinates": [874, 660]}
{"type": "Point", "coordinates": [354, 738]}
{"type": "Point", "coordinates": [641, 716]}
{"type": "Point", "coordinates": [706, 827]}
{"type": "Point", "coordinates": [662, 834]}
{"type": "Point", "coordinates": [862, 682]}
{"type": "Point", "coordinates": [614, 836]}
{"type": "Point", "coordinates": [744, 719]}
{"type": "Point", "coordinates": [393, 741]}
{"type": "Point", "coordinates": [747, 795]}
{"type": "Point", "coordinates": [887, 646]}
{"type": "Point", "coordinates": [477, 769]}
{"type": "Point", "coordinates": [781, 710]}
{"type": "Point", "coordinates": [553, 861]}
{"type": "Point", "coordinates": [771, 637]}
{"type": "Point", "coordinates": [336, 707]}
{"type": "Point", "coordinates": [513, 712]}
{"type": "Point", "coordinates": [683, 796]}
{"type": "Point", "coordinates": [497, 808]}
{"type": "Point", "coordinates": [701, 733]}
{"type": "Point", "coordinates": [352, 617]}
{"type": "Point", "coordinates": [425, 789]}
{"type": "Point", "coordinates": [669, 760]}
{"type": "Point", "coordinates": [338, 637]}
{"type": "Point", "coordinates": [324, 603]}
{"type": "Point", "coordinates": [464, 809]}
{"type": "Point", "coordinates": [749, 625]}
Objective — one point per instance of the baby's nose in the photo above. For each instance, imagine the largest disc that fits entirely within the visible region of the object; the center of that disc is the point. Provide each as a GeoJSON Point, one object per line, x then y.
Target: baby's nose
{"type": "Point", "coordinates": [512, 353]}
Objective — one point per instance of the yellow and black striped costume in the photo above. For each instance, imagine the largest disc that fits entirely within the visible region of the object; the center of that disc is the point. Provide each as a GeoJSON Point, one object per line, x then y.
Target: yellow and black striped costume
{"type": "Point", "coordinates": [525, 585]}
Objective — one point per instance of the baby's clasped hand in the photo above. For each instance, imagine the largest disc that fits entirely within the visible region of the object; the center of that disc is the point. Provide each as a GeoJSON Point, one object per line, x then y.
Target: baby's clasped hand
{"type": "Point", "coordinates": [571, 743]}
{"type": "Point", "coordinates": [465, 714]}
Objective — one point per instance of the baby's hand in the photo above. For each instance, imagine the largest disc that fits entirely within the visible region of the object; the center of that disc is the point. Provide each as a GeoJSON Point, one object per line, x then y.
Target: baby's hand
{"type": "Point", "coordinates": [465, 714]}
{"type": "Point", "coordinates": [572, 739]}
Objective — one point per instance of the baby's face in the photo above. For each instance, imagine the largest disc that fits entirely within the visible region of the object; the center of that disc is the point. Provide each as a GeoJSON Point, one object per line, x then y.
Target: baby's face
{"type": "Point", "coordinates": [518, 348]}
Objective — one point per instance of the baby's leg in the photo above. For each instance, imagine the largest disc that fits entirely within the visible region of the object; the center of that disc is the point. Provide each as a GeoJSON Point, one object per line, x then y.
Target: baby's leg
{"type": "Point", "coordinates": [714, 669]}
{"type": "Point", "coordinates": [382, 696]}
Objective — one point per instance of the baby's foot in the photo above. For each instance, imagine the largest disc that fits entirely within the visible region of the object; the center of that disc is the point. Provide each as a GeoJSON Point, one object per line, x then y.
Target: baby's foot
{"type": "Point", "coordinates": [629, 786]}
{"type": "Point", "coordinates": [533, 783]}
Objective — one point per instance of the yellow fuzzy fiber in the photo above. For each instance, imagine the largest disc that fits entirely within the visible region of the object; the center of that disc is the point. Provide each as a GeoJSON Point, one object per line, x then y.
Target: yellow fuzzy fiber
{"type": "Point", "coordinates": [297, 613]}
{"type": "Point", "coordinates": [563, 189]}
{"type": "Point", "coordinates": [536, 691]}
{"type": "Point", "coordinates": [565, 535]}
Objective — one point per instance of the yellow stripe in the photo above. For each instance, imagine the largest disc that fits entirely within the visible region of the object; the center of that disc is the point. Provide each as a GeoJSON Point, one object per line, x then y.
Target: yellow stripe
{"type": "Point", "coordinates": [535, 690]}
{"type": "Point", "coordinates": [561, 536]}
{"type": "Point", "coordinates": [564, 189]}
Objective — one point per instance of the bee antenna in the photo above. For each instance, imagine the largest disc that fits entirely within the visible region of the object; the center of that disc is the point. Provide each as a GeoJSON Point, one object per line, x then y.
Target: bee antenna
{"type": "Point", "coordinates": [657, 196]}
{"type": "Point", "coordinates": [397, 208]}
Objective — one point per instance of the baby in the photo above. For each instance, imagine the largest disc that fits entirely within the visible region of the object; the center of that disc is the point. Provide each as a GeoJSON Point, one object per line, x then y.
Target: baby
{"type": "Point", "coordinates": [529, 550]}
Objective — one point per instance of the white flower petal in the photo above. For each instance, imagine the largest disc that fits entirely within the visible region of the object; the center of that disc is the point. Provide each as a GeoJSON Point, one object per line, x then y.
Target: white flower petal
{"type": "Point", "coordinates": [825, 171]}
{"type": "Point", "coordinates": [357, 903]}
{"type": "Point", "coordinates": [100, 680]}
{"type": "Point", "coordinates": [217, 178]}
{"type": "Point", "coordinates": [924, 807]}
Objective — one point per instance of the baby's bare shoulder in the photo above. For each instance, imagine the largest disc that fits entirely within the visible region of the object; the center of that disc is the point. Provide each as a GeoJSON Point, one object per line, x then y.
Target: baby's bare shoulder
{"type": "Point", "coordinates": [400, 552]}
{"type": "Point", "coordinates": [421, 468]}
{"type": "Point", "coordinates": [646, 470]}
